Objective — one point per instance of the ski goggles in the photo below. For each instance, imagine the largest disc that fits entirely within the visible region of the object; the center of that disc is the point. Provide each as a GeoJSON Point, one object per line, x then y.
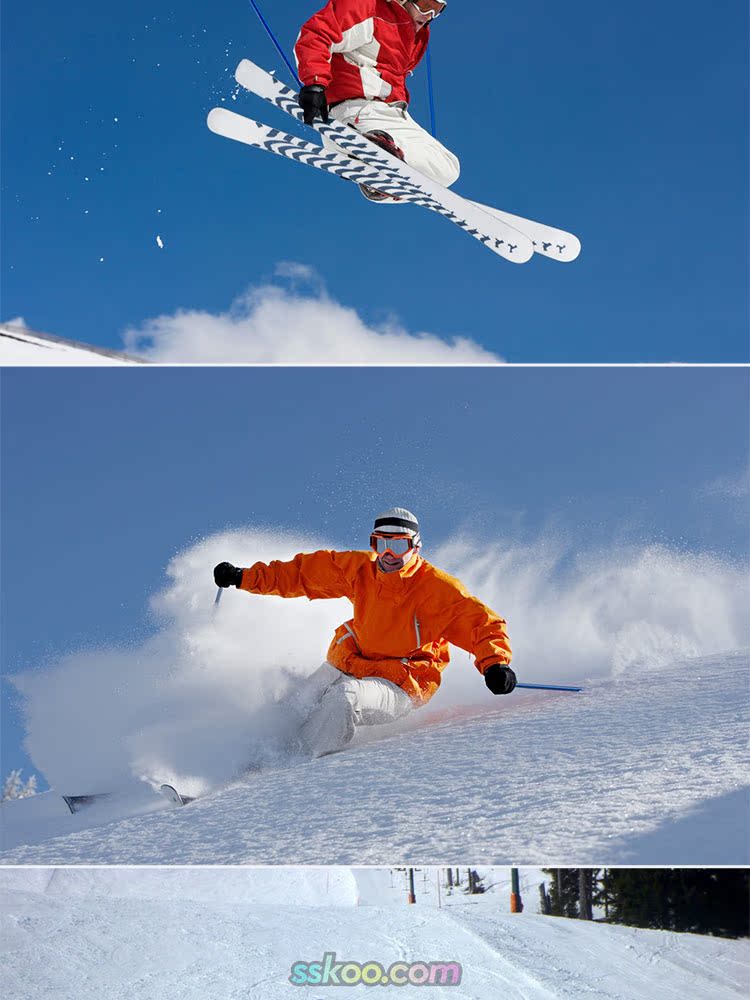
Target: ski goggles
{"type": "Point", "coordinates": [397, 545]}
{"type": "Point", "coordinates": [430, 8]}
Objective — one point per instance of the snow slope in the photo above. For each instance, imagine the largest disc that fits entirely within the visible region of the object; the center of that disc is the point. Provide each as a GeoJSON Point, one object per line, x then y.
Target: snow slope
{"type": "Point", "coordinates": [647, 768]}
{"type": "Point", "coordinates": [20, 346]}
{"type": "Point", "coordinates": [120, 935]}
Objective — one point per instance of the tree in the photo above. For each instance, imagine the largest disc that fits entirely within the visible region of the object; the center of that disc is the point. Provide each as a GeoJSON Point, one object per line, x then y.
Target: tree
{"type": "Point", "coordinates": [15, 788]}
{"type": "Point", "coordinates": [698, 900]}
{"type": "Point", "coordinates": [573, 892]}
{"type": "Point", "coordinates": [563, 894]}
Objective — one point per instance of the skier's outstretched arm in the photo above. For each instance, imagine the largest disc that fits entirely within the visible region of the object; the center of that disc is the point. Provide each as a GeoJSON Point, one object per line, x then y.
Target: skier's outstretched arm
{"type": "Point", "coordinates": [314, 575]}
{"type": "Point", "coordinates": [476, 628]}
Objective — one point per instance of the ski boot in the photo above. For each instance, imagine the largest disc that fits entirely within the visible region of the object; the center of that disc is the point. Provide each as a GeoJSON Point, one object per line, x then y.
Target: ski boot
{"type": "Point", "coordinates": [386, 142]}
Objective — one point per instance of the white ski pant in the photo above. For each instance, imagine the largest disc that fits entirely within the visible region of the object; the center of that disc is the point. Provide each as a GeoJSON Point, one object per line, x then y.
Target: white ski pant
{"type": "Point", "coordinates": [339, 703]}
{"type": "Point", "coordinates": [421, 149]}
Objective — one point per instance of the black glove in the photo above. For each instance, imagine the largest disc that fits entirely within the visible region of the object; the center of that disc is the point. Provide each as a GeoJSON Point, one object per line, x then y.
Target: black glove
{"type": "Point", "coordinates": [312, 100]}
{"type": "Point", "coordinates": [227, 575]}
{"type": "Point", "coordinates": [499, 679]}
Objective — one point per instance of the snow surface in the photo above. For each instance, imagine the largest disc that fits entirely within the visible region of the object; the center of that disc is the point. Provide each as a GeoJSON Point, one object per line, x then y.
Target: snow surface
{"type": "Point", "coordinates": [185, 935]}
{"type": "Point", "coordinates": [19, 346]}
{"type": "Point", "coordinates": [647, 772]}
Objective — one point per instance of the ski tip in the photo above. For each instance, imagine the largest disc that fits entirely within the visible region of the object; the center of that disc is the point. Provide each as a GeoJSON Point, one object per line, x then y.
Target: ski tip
{"type": "Point", "coordinates": [253, 78]}
{"type": "Point", "coordinates": [564, 249]}
{"type": "Point", "coordinates": [246, 72]}
{"type": "Point", "coordinates": [517, 253]}
{"type": "Point", "coordinates": [574, 250]}
{"type": "Point", "coordinates": [171, 794]}
{"type": "Point", "coordinates": [567, 252]}
{"type": "Point", "coordinates": [176, 798]}
{"type": "Point", "coordinates": [214, 117]}
{"type": "Point", "coordinates": [528, 253]}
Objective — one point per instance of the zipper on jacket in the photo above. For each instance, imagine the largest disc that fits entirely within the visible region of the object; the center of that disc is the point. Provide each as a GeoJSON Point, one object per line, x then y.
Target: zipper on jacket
{"type": "Point", "coordinates": [418, 631]}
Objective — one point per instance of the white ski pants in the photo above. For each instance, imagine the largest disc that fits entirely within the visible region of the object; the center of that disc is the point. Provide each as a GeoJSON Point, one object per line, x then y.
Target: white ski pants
{"type": "Point", "coordinates": [339, 703]}
{"type": "Point", "coordinates": [421, 149]}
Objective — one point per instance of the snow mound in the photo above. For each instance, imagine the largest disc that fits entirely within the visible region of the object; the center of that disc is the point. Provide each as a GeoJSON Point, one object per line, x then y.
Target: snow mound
{"type": "Point", "coordinates": [20, 346]}
{"type": "Point", "coordinates": [247, 886]}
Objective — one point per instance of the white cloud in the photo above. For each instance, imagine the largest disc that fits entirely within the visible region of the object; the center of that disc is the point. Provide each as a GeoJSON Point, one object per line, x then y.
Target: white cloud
{"type": "Point", "coordinates": [18, 321]}
{"type": "Point", "coordinates": [296, 323]}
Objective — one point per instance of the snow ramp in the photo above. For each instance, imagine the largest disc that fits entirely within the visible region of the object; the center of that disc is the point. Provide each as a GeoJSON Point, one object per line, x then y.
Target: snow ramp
{"type": "Point", "coordinates": [21, 346]}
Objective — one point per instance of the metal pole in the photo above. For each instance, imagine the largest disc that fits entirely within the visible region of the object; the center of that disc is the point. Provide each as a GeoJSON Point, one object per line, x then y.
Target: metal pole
{"type": "Point", "coordinates": [516, 903]}
{"type": "Point", "coordinates": [273, 38]}
{"type": "Point", "coordinates": [549, 687]}
{"type": "Point", "coordinates": [428, 60]}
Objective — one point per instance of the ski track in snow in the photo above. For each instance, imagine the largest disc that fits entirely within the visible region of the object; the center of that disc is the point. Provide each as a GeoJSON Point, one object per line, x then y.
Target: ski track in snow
{"type": "Point", "coordinates": [650, 769]}
{"type": "Point", "coordinates": [98, 939]}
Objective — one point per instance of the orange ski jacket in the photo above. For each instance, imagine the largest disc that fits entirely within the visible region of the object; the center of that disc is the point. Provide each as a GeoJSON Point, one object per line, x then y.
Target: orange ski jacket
{"type": "Point", "coordinates": [403, 621]}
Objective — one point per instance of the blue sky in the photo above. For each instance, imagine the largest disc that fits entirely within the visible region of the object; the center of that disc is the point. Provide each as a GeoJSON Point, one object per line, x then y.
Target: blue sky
{"type": "Point", "coordinates": [626, 123]}
{"type": "Point", "coordinates": [107, 474]}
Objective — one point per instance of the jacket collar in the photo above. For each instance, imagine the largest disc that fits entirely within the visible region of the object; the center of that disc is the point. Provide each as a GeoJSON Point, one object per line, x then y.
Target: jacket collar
{"type": "Point", "coordinates": [412, 567]}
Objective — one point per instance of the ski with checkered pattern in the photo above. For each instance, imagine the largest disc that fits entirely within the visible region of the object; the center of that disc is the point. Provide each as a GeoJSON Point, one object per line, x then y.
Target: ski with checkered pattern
{"type": "Point", "coordinates": [546, 240]}
{"type": "Point", "coordinates": [504, 240]}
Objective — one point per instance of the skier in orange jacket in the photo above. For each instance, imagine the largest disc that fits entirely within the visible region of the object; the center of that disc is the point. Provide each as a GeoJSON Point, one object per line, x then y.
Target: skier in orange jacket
{"type": "Point", "coordinates": [388, 658]}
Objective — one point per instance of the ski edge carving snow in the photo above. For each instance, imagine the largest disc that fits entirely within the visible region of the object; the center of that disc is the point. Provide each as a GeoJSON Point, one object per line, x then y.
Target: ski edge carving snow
{"type": "Point", "coordinates": [77, 802]}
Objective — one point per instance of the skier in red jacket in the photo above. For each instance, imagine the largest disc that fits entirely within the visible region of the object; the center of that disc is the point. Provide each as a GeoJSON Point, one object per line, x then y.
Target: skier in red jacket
{"type": "Point", "coordinates": [353, 57]}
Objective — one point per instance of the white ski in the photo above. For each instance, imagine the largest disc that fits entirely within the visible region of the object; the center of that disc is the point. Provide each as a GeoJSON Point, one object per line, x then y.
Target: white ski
{"type": "Point", "coordinates": [171, 794]}
{"type": "Point", "coordinates": [252, 133]}
{"type": "Point", "coordinates": [493, 232]}
{"type": "Point", "coordinates": [546, 240]}
{"type": "Point", "coordinates": [556, 244]}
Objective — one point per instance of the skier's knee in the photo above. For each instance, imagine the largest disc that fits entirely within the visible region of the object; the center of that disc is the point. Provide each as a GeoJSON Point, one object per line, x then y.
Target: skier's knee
{"type": "Point", "coordinates": [340, 699]}
{"type": "Point", "coordinates": [450, 168]}
{"type": "Point", "coordinates": [438, 163]}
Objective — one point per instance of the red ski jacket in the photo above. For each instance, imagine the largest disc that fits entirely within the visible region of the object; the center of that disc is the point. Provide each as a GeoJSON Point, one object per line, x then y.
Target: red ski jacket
{"type": "Point", "coordinates": [360, 48]}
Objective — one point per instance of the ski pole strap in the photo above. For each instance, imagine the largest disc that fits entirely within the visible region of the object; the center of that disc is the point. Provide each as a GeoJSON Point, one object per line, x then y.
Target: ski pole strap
{"type": "Point", "coordinates": [549, 687]}
{"type": "Point", "coordinates": [273, 38]}
{"type": "Point", "coordinates": [428, 59]}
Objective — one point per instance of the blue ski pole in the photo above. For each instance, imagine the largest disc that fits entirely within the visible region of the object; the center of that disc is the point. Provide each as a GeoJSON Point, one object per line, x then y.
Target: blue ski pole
{"type": "Point", "coordinates": [219, 592]}
{"type": "Point", "coordinates": [273, 38]}
{"type": "Point", "coordinates": [549, 687]}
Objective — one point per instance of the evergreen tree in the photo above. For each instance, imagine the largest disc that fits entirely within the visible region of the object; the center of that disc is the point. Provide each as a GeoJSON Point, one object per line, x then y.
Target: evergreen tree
{"type": "Point", "coordinates": [698, 900]}
{"type": "Point", "coordinates": [15, 788]}
{"type": "Point", "coordinates": [563, 892]}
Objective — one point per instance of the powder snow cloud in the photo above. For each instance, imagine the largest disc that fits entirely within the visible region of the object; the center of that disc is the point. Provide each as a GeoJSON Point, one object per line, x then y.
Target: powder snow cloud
{"type": "Point", "coordinates": [292, 320]}
{"type": "Point", "coordinates": [198, 700]}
